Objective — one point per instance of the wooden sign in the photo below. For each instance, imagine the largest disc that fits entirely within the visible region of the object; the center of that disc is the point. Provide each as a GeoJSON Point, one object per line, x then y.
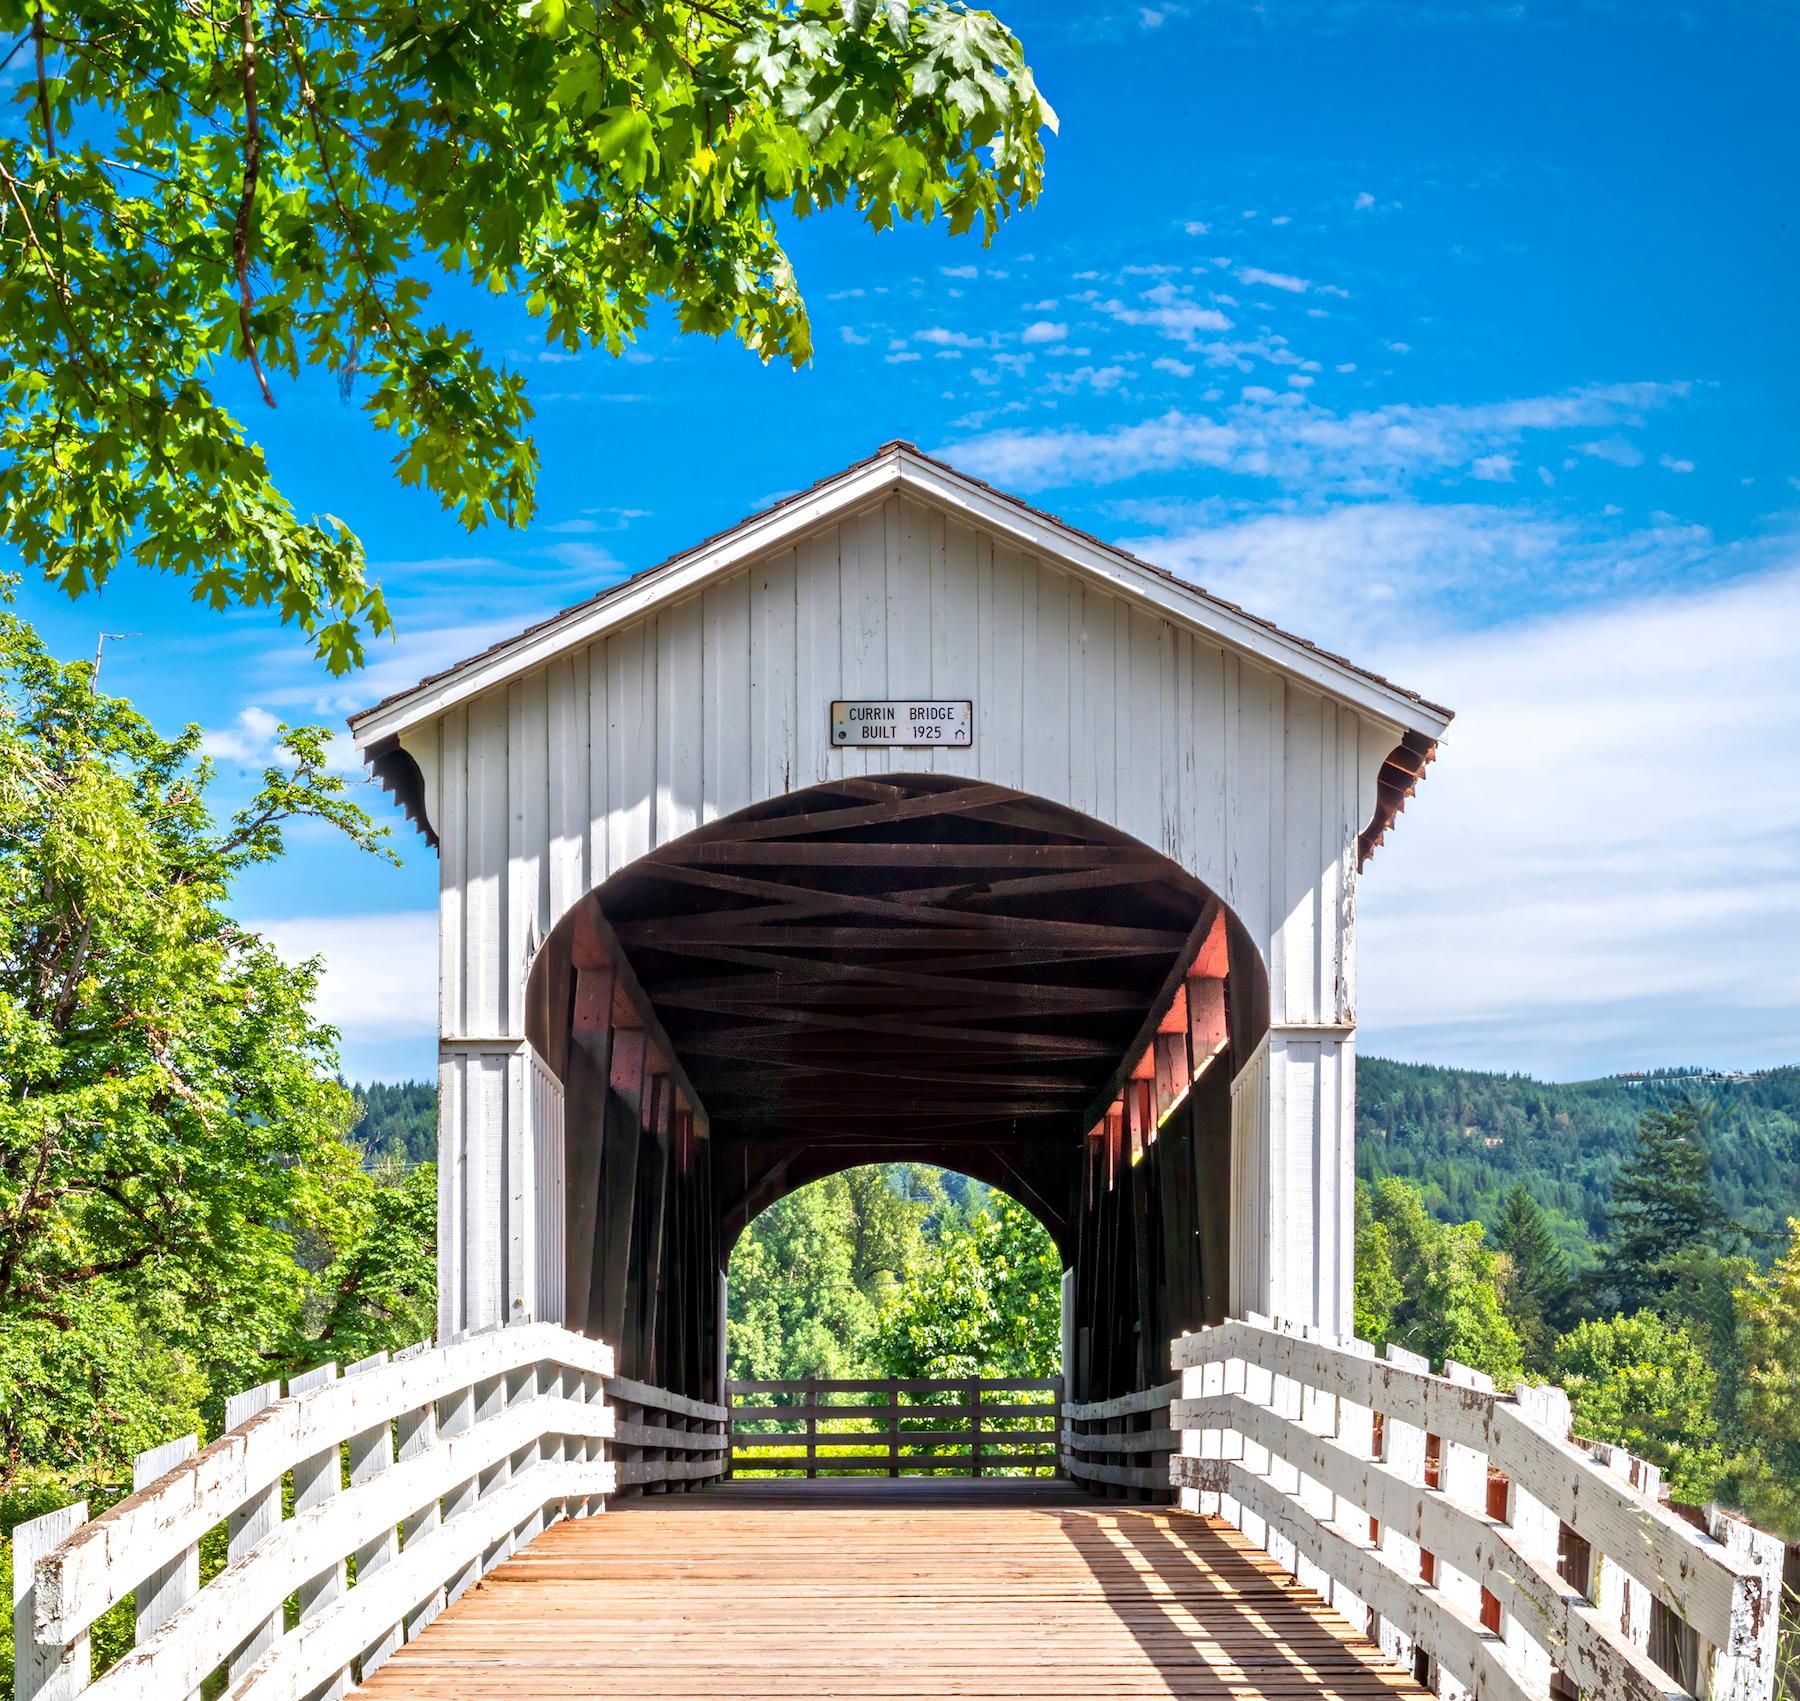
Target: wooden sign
{"type": "Point", "coordinates": [903, 721]}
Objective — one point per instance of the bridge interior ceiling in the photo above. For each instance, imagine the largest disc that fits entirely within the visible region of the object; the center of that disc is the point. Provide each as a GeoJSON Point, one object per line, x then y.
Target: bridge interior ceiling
{"type": "Point", "coordinates": [881, 969]}
{"type": "Point", "coordinates": [885, 965]}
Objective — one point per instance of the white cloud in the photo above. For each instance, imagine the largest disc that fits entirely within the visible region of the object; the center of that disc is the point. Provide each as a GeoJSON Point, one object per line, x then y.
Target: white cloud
{"type": "Point", "coordinates": [851, 335]}
{"type": "Point", "coordinates": [380, 979]}
{"type": "Point", "coordinates": [1197, 227]}
{"type": "Point", "coordinates": [249, 739]}
{"type": "Point", "coordinates": [1496, 469]}
{"type": "Point", "coordinates": [1171, 309]}
{"type": "Point", "coordinates": [1589, 878]}
{"type": "Point", "coordinates": [942, 338]}
{"type": "Point", "coordinates": [1614, 449]}
{"type": "Point", "coordinates": [959, 271]}
{"type": "Point", "coordinates": [1297, 442]}
{"type": "Point", "coordinates": [1675, 464]}
{"type": "Point", "coordinates": [1175, 368]}
{"type": "Point", "coordinates": [1044, 331]}
{"type": "Point", "coordinates": [1273, 280]}
{"type": "Point", "coordinates": [1364, 201]}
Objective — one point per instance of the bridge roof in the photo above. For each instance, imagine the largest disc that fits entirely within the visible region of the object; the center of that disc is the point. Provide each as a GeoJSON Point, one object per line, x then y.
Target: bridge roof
{"type": "Point", "coordinates": [899, 466]}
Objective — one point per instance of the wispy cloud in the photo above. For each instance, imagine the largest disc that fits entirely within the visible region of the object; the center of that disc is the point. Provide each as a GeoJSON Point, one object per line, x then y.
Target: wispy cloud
{"type": "Point", "coordinates": [1300, 443]}
{"type": "Point", "coordinates": [1566, 894]}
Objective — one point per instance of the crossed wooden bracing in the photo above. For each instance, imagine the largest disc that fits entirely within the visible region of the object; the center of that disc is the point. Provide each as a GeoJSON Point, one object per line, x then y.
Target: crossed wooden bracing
{"type": "Point", "coordinates": [906, 952]}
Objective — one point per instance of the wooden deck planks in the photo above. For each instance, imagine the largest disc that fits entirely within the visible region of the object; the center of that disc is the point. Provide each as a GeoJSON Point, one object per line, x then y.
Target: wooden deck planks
{"type": "Point", "coordinates": [878, 1591]}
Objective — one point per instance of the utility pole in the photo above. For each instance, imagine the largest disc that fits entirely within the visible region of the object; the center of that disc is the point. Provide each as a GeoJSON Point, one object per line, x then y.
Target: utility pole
{"type": "Point", "coordinates": [100, 649]}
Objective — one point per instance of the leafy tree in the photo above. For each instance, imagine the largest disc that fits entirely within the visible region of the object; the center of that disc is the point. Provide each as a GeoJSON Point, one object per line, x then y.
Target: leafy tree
{"type": "Point", "coordinates": [1449, 1301]}
{"type": "Point", "coordinates": [1377, 1291]}
{"type": "Point", "coordinates": [285, 185]}
{"type": "Point", "coordinates": [1644, 1384]}
{"type": "Point", "coordinates": [794, 1305]}
{"type": "Point", "coordinates": [1767, 1473]}
{"type": "Point", "coordinates": [985, 1301]}
{"type": "Point", "coordinates": [380, 1288]}
{"type": "Point", "coordinates": [1663, 1205]}
{"type": "Point", "coordinates": [1538, 1286]}
{"type": "Point", "coordinates": [172, 1127]}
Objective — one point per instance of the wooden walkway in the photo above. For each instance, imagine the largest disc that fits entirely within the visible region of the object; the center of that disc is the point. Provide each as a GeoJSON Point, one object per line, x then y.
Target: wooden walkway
{"type": "Point", "coordinates": [876, 1591]}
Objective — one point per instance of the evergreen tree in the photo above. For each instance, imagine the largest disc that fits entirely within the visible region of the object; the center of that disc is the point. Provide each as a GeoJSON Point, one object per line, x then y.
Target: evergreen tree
{"type": "Point", "coordinates": [1538, 1286]}
{"type": "Point", "coordinates": [1663, 1206]}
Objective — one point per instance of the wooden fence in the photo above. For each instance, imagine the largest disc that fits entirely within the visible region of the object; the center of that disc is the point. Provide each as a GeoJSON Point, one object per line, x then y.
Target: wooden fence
{"type": "Point", "coordinates": [1467, 1531]}
{"type": "Point", "coordinates": [1124, 1444]}
{"type": "Point", "coordinates": [370, 1499]}
{"type": "Point", "coordinates": [964, 1426]}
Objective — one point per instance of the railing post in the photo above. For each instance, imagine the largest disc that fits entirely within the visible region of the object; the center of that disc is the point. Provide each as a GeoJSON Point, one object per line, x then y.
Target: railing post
{"type": "Point", "coordinates": [371, 1453]}
{"type": "Point", "coordinates": [893, 1425]}
{"type": "Point", "coordinates": [456, 1416]}
{"type": "Point", "coordinates": [812, 1428]}
{"type": "Point", "coordinates": [250, 1523]}
{"type": "Point", "coordinates": [1743, 1676]}
{"type": "Point", "coordinates": [974, 1427]}
{"type": "Point", "coordinates": [1535, 1529]}
{"type": "Point", "coordinates": [169, 1587]}
{"type": "Point", "coordinates": [316, 1480]}
{"type": "Point", "coordinates": [417, 1433]}
{"type": "Point", "coordinates": [1462, 1475]}
{"type": "Point", "coordinates": [1403, 1451]}
{"type": "Point", "coordinates": [43, 1672]}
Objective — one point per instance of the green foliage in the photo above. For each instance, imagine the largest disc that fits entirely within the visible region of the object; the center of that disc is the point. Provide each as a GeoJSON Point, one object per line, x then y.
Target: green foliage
{"type": "Point", "coordinates": [1447, 1303]}
{"type": "Point", "coordinates": [181, 1214]}
{"type": "Point", "coordinates": [1467, 1138]}
{"type": "Point", "coordinates": [1378, 1292]}
{"type": "Point", "coordinates": [1537, 1289]}
{"type": "Point", "coordinates": [795, 1306]}
{"type": "Point", "coordinates": [1643, 1383]}
{"type": "Point", "coordinates": [398, 1122]}
{"type": "Point", "coordinates": [894, 1270]}
{"type": "Point", "coordinates": [284, 185]}
{"type": "Point", "coordinates": [985, 1300]}
{"type": "Point", "coordinates": [1663, 1208]}
{"type": "Point", "coordinates": [1766, 1474]}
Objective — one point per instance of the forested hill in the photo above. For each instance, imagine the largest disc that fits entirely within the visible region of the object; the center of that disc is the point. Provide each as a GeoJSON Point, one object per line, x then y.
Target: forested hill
{"type": "Point", "coordinates": [1467, 1137]}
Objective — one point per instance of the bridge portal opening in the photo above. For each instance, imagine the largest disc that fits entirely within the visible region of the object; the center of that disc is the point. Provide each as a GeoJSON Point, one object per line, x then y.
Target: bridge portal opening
{"type": "Point", "coordinates": [893, 968]}
{"type": "Point", "coordinates": [894, 1320]}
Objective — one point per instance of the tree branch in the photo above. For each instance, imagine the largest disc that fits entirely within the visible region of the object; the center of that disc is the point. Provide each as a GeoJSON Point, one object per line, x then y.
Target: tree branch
{"type": "Point", "coordinates": [240, 234]}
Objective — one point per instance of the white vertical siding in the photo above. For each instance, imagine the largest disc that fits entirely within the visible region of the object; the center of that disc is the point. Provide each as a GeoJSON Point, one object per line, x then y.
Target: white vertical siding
{"type": "Point", "coordinates": [543, 788]}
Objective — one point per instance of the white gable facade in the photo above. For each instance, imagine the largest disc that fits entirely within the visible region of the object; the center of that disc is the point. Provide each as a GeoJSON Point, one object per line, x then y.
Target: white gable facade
{"type": "Point", "coordinates": [699, 688]}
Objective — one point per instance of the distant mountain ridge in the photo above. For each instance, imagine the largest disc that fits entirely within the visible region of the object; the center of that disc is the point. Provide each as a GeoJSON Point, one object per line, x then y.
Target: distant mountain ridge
{"type": "Point", "coordinates": [1465, 1135]}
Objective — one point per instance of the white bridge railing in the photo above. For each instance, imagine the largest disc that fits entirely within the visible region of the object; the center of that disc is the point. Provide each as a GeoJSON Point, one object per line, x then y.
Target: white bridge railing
{"type": "Point", "coordinates": [1466, 1531]}
{"type": "Point", "coordinates": [375, 1497]}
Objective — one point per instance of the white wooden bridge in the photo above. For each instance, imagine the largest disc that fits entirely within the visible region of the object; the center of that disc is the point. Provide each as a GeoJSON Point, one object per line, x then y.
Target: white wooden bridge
{"type": "Point", "coordinates": [901, 821]}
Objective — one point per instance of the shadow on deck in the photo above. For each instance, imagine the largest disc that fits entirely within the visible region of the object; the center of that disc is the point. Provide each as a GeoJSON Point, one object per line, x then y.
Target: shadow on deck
{"type": "Point", "coordinates": [887, 1589]}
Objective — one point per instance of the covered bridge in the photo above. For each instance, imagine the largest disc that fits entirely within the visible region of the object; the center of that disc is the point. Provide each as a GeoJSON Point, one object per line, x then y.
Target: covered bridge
{"type": "Point", "coordinates": [900, 821]}
{"type": "Point", "coordinates": [1088, 934]}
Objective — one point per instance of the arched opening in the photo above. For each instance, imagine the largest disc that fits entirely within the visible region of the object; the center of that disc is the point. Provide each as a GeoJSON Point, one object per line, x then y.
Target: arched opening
{"type": "Point", "coordinates": [894, 1319]}
{"type": "Point", "coordinates": [884, 969]}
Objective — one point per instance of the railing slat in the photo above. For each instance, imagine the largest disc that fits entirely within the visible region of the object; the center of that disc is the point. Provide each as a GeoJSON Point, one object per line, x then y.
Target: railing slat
{"type": "Point", "coordinates": [248, 1525]}
{"type": "Point", "coordinates": [371, 1452]}
{"type": "Point", "coordinates": [44, 1671]}
{"type": "Point", "coordinates": [169, 1587]}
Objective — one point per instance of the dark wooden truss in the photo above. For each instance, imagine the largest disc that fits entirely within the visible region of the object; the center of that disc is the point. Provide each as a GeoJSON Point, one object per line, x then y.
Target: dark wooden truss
{"type": "Point", "coordinates": [908, 959]}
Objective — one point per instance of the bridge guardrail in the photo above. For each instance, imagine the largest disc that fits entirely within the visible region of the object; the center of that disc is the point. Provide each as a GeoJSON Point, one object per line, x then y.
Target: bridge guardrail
{"type": "Point", "coordinates": [1124, 1443]}
{"type": "Point", "coordinates": [663, 1440]}
{"type": "Point", "coordinates": [1467, 1531]}
{"type": "Point", "coordinates": [955, 1430]}
{"type": "Point", "coordinates": [376, 1497]}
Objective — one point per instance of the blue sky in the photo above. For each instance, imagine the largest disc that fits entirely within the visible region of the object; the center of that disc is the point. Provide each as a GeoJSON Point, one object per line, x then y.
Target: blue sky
{"type": "Point", "coordinates": [1458, 337]}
